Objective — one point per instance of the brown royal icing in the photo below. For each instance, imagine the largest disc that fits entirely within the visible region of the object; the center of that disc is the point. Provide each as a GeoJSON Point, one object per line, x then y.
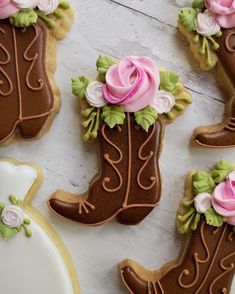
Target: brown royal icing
{"type": "Point", "coordinates": [26, 98]}
{"type": "Point", "coordinates": [128, 185]}
{"type": "Point", "coordinates": [226, 52]}
{"type": "Point", "coordinates": [213, 47]}
{"type": "Point", "coordinates": [225, 136]}
{"type": "Point", "coordinates": [206, 263]}
{"type": "Point", "coordinates": [208, 266]}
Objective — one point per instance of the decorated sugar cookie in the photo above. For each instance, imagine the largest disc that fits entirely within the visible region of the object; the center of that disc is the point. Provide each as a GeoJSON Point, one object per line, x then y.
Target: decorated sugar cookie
{"type": "Point", "coordinates": [126, 110]}
{"type": "Point", "coordinates": [209, 27]}
{"type": "Point", "coordinates": [29, 97]}
{"type": "Point", "coordinates": [206, 263]}
{"type": "Point", "coordinates": [33, 258]}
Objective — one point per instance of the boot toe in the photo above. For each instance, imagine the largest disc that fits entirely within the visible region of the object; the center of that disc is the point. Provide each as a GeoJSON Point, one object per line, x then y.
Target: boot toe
{"type": "Point", "coordinates": [133, 282]}
{"type": "Point", "coordinates": [220, 139]}
{"type": "Point", "coordinates": [205, 139]}
{"type": "Point", "coordinates": [62, 208]}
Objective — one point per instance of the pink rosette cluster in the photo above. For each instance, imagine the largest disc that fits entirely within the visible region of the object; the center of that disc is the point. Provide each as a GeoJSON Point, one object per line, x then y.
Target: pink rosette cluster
{"type": "Point", "coordinates": [132, 83]}
{"type": "Point", "coordinates": [7, 9]}
{"type": "Point", "coordinates": [223, 11]}
{"type": "Point", "coordinates": [223, 199]}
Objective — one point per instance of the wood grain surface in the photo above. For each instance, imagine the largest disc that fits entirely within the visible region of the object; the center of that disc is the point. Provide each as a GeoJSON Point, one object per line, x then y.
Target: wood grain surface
{"type": "Point", "coordinates": [120, 28]}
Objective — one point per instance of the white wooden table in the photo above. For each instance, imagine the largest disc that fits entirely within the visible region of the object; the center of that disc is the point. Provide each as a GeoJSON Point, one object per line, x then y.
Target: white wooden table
{"type": "Point", "coordinates": [120, 28]}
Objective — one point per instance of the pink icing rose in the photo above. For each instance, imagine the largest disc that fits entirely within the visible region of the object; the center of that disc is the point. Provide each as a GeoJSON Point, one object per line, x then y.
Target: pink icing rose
{"type": "Point", "coordinates": [223, 198]}
{"type": "Point", "coordinates": [224, 11]}
{"type": "Point", "coordinates": [7, 9]}
{"type": "Point", "coordinates": [133, 83]}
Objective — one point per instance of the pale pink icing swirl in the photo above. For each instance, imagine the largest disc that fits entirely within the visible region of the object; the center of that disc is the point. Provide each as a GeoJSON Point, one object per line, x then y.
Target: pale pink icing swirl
{"type": "Point", "coordinates": [224, 12]}
{"type": "Point", "coordinates": [7, 9]}
{"type": "Point", "coordinates": [12, 216]}
{"type": "Point", "coordinates": [223, 199]}
{"type": "Point", "coordinates": [132, 83]}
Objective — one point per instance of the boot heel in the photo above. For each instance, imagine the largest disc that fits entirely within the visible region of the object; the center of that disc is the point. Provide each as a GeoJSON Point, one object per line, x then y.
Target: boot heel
{"type": "Point", "coordinates": [133, 215]}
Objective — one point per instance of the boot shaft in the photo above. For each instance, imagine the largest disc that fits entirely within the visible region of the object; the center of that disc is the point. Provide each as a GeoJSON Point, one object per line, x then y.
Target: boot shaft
{"type": "Point", "coordinates": [25, 92]}
{"type": "Point", "coordinates": [129, 162]}
{"type": "Point", "coordinates": [226, 52]}
{"type": "Point", "coordinates": [208, 262]}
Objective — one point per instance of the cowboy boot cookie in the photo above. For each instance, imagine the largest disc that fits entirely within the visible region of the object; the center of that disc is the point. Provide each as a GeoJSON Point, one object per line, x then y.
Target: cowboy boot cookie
{"type": "Point", "coordinates": [127, 108]}
{"type": "Point", "coordinates": [210, 31]}
{"type": "Point", "coordinates": [206, 261]}
{"type": "Point", "coordinates": [29, 98]}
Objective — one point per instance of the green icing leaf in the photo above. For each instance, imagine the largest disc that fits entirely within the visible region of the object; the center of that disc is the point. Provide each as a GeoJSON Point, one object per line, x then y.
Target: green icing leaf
{"type": "Point", "coordinates": [214, 219]}
{"type": "Point", "coordinates": [58, 13]}
{"type": "Point", "coordinates": [2, 205]}
{"type": "Point", "coordinates": [79, 86]}
{"type": "Point", "coordinates": [103, 64]}
{"type": "Point", "coordinates": [28, 232]}
{"type": "Point", "coordinates": [202, 182]}
{"type": "Point", "coordinates": [13, 200]}
{"type": "Point", "coordinates": [24, 18]}
{"type": "Point", "coordinates": [169, 80]}
{"type": "Point", "coordinates": [146, 117]}
{"type": "Point", "coordinates": [51, 23]}
{"type": "Point", "coordinates": [221, 170]}
{"type": "Point", "coordinates": [170, 115]}
{"type": "Point", "coordinates": [113, 115]}
{"type": "Point", "coordinates": [64, 4]}
{"type": "Point", "coordinates": [198, 4]}
{"type": "Point", "coordinates": [7, 232]}
{"type": "Point", "coordinates": [187, 17]}
{"type": "Point", "coordinates": [92, 122]}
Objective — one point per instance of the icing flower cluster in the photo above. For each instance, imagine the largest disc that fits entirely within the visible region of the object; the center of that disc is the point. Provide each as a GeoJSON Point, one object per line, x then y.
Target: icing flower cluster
{"type": "Point", "coordinates": [214, 198]}
{"type": "Point", "coordinates": [8, 7]}
{"type": "Point", "coordinates": [209, 16]}
{"type": "Point", "coordinates": [12, 219]}
{"type": "Point", "coordinates": [222, 200]}
{"type": "Point", "coordinates": [133, 85]}
{"type": "Point", "coordinates": [12, 216]}
{"type": "Point", "coordinates": [204, 20]}
{"type": "Point", "coordinates": [23, 13]}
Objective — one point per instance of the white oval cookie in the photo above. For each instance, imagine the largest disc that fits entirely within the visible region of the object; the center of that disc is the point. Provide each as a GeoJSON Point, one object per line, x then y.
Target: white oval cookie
{"type": "Point", "coordinates": [39, 264]}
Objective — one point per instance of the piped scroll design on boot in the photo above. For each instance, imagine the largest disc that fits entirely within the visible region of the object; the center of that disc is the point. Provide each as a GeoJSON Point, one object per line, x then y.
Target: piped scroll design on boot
{"type": "Point", "coordinates": [17, 105]}
{"type": "Point", "coordinates": [28, 96]}
{"type": "Point", "coordinates": [207, 261]}
{"type": "Point", "coordinates": [211, 36]}
{"type": "Point", "coordinates": [112, 162]}
{"type": "Point", "coordinates": [129, 124]}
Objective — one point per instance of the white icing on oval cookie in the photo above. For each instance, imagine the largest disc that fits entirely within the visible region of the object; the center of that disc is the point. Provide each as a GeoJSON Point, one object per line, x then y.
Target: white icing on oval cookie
{"type": "Point", "coordinates": [31, 265]}
{"type": "Point", "coordinates": [16, 180]}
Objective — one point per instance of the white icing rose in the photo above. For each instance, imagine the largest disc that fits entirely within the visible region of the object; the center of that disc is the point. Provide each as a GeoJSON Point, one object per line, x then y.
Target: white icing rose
{"type": "Point", "coordinates": [12, 216]}
{"type": "Point", "coordinates": [206, 24]}
{"type": "Point", "coordinates": [163, 102]}
{"type": "Point", "coordinates": [202, 202]}
{"type": "Point", "coordinates": [26, 4]}
{"type": "Point", "coordinates": [94, 94]}
{"type": "Point", "coordinates": [47, 6]}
